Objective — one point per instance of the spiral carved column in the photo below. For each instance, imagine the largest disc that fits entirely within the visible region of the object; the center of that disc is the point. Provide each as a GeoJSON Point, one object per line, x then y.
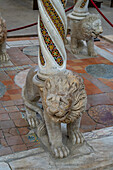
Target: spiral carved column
{"type": "Point", "coordinates": [52, 27]}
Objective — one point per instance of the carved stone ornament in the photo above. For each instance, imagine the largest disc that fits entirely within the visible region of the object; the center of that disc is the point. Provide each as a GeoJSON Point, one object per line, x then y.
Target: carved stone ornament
{"type": "Point", "coordinates": [84, 26]}
{"type": "Point", "coordinates": [63, 98]}
{"type": "Point", "coordinates": [87, 29]}
{"type": "Point", "coordinates": [52, 94]}
{"type": "Point", "coordinates": [3, 35]}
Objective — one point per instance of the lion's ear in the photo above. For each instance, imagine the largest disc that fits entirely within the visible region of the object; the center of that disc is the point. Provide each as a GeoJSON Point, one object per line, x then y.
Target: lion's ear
{"type": "Point", "coordinates": [48, 84]}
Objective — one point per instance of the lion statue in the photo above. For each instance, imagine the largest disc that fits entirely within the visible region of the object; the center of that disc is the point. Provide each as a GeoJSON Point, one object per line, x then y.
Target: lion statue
{"type": "Point", "coordinates": [86, 29]}
{"type": "Point", "coordinates": [63, 101]}
{"type": "Point", "coordinates": [3, 35]}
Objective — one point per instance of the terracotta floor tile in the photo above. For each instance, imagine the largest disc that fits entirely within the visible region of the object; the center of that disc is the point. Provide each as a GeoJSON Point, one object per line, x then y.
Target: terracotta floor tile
{"type": "Point", "coordinates": [18, 102]}
{"type": "Point", "coordinates": [8, 82]}
{"type": "Point", "coordinates": [77, 61]}
{"type": "Point", "coordinates": [2, 110]}
{"type": "Point", "coordinates": [18, 148]}
{"type": "Point", "coordinates": [15, 97]}
{"type": "Point", "coordinates": [98, 84]}
{"type": "Point", "coordinates": [1, 104]}
{"type": "Point", "coordinates": [4, 76]}
{"type": "Point", "coordinates": [14, 91]}
{"type": "Point", "coordinates": [15, 115]}
{"type": "Point", "coordinates": [10, 132]}
{"type": "Point", "coordinates": [5, 151]}
{"type": "Point", "coordinates": [3, 142]}
{"type": "Point", "coordinates": [14, 140]}
{"type": "Point", "coordinates": [22, 38]}
{"type": "Point", "coordinates": [1, 134]}
{"type": "Point", "coordinates": [77, 67]}
{"type": "Point", "coordinates": [23, 130]}
{"type": "Point", "coordinates": [80, 71]}
{"type": "Point", "coordinates": [86, 120]}
{"type": "Point", "coordinates": [26, 140]}
{"type": "Point", "coordinates": [11, 109]}
{"type": "Point", "coordinates": [8, 103]}
{"type": "Point", "coordinates": [99, 99]}
{"type": "Point", "coordinates": [5, 98]}
{"type": "Point", "coordinates": [6, 124]}
{"type": "Point", "coordinates": [20, 123]}
{"type": "Point", "coordinates": [4, 116]}
{"type": "Point", "coordinates": [17, 57]}
{"type": "Point", "coordinates": [71, 62]}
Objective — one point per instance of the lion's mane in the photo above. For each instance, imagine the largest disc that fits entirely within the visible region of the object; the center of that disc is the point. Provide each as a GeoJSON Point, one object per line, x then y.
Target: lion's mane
{"type": "Point", "coordinates": [84, 28]}
{"type": "Point", "coordinates": [3, 30]}
{"type": "Point", "coordinates": [64, 97]}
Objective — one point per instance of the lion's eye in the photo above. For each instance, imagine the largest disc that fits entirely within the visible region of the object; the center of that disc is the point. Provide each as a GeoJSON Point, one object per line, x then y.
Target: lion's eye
{"type": "Point", "coordinates": [50, 97]}
{"type": "Point", "coordinates": [61, 100]}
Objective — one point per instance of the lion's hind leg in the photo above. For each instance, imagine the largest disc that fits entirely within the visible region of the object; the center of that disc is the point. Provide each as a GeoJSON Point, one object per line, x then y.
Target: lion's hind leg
{"type": "Point", "coordinates": [31, 117]}
{"type": "Point", "coordinates": [3, 54]}
{"type": "Point", "coordinates": [36, 121]}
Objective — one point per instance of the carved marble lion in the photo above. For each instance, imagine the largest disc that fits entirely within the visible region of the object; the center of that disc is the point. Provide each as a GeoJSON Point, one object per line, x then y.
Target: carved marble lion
{"type": "Point", "coordinates": [87, 29]}
{"type": "Point", "coordinates": [63, 99]}
{"type": "Point", "coordinates": [3, 35]}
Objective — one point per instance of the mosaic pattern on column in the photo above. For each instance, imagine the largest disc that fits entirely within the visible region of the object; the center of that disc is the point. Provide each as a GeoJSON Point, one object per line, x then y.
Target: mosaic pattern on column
{"type": "Point", "coordinates": [52, 29]}
{"type": "Point", "coordinates": [50, 45]}
{"type": "Point", "coordinates": [55, 17]}
{"type": "Point", "coordinates": [83, 4]}
{"type": "Point", "coordinates": [64, 3]}
{"type": "Point", "coordinates": [41, 58]}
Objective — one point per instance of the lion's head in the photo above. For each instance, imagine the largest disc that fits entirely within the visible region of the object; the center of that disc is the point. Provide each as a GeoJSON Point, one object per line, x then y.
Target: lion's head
{"type": "Point", "coordinates": [3, 30]}
{"type": "Point", "coordinates": [64, 97]}
{"type": "Point", "coordinates": [91, 26]}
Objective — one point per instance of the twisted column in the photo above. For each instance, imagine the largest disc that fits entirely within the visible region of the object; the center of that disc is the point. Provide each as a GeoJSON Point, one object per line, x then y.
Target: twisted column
{"type": "Point", "coordinates": [52, 27]}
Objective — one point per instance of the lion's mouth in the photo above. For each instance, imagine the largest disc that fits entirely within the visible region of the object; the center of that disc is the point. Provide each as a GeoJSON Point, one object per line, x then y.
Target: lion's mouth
{"type": "Point", "coordinates": [94, 35]}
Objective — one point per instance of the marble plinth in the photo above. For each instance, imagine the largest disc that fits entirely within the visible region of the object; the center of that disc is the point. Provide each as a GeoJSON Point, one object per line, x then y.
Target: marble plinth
{"type": "Point", "coordinates": [101, 157]}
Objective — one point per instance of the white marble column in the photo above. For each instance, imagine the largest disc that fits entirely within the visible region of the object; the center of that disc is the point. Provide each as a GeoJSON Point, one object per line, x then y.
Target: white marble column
{"type": "Point", "coordinates": [52, 27]}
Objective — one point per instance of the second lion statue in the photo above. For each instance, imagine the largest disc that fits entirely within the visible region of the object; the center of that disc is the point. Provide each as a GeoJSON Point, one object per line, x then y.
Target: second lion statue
{"type": "Point", "coordinates": [3, 35]}
{"type": "Point", "coordinates": [64, 101]}
{"type": "Point", "coordinates": [87, 29]}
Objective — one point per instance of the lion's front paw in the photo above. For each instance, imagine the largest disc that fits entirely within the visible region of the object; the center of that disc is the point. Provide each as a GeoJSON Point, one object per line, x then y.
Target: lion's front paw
{"type": "Point", "coordinates": [75, 51]}
{"type": "Point", "coordinates": [92, 54]}
{"type": "Point", "coordinates": [60, 151]}
{"type": "Point", "coordinates": [76, 137]}
{"type": "Point", "coordinates": [4, 57]}
{"type": "Point", "coordinates": [32, 121]}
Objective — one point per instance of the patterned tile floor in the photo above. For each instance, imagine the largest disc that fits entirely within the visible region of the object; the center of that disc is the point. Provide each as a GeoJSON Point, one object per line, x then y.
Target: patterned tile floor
{"type": "Point", "coordinates": [14, 129]}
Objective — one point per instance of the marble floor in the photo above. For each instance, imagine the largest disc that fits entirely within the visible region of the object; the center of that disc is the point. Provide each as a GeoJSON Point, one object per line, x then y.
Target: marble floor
{"type": "Point", "coordinates": [14, 129]}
